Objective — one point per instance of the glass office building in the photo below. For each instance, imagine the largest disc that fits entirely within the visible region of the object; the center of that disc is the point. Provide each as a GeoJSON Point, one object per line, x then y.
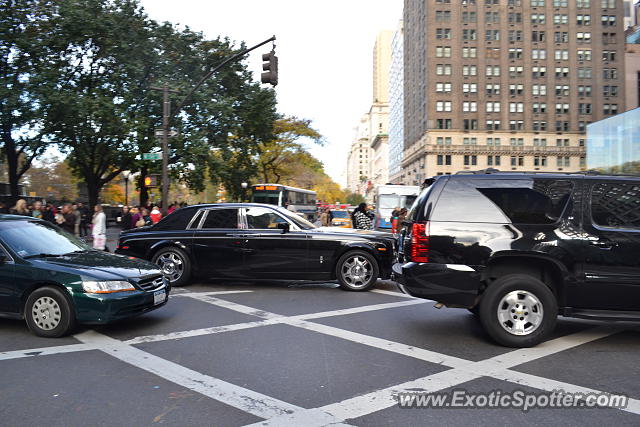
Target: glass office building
{"type": "Point", "coordinates": [613, 144]}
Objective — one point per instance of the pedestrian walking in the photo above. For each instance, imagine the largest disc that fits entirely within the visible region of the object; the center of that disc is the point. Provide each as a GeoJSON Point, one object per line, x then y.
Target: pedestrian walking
{"type": "Point", "coordinates": [125, 221]}
{"type": "Point", "coordinates": [85, 219]}
{"type": "Point", "coordinates": [155, 215]}
{"type": "Point", "coordinates": [66, 219]}
{"type": "Point", "coordinates": [20, 208]}
{"type": "Point", "coordinates": [361, 219]}
{"type": "Point", "coordinates": [48, 214]}
{"type": "Point", "coordinates": [99, 229]}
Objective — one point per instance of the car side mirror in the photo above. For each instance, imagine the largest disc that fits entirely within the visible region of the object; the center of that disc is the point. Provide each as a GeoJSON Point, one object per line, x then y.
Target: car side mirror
{"type": "Point", "coordinates": [284, 226]}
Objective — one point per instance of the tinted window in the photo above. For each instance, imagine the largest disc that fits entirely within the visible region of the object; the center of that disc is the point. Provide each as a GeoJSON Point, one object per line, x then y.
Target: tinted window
{"type": "Point", "coordinates": [221, 218]}
{"type": "Point", "coordinates": [518, 201]}
{"type": "Point", "coordinates": [263, 219]}
{"type": "Point", "coordinates": [177, 220]}
{"type": "Point", "coordinates": [616, 205]}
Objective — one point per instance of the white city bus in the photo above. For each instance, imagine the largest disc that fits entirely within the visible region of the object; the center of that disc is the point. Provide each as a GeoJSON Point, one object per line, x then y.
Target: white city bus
{"type": "Point", "coordinates": [296, 200]}
{"type": "Point", "coordinates": [387, 197]}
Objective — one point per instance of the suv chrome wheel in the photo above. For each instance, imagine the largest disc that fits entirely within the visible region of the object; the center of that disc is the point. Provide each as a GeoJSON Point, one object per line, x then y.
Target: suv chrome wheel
{"type": "Point", "coordinates": [520, 312]}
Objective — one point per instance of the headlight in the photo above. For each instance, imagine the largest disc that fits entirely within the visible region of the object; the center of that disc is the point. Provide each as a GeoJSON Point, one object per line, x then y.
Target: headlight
{"type": "Point", "coordinates": [106, 287]}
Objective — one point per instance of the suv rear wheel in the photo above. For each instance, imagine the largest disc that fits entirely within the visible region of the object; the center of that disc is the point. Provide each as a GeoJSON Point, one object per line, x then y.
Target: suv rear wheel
{"type": "Point", "coordinates": [518, 310]}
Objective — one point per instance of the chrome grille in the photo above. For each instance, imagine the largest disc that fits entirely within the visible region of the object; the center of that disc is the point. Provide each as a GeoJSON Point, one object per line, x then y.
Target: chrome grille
{"type": "Point", "coordinates": [151, 283]}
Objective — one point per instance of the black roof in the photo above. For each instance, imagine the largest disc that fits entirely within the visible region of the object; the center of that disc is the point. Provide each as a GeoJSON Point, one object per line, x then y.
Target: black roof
{"type": "Point", "coordinates": [555, 174]}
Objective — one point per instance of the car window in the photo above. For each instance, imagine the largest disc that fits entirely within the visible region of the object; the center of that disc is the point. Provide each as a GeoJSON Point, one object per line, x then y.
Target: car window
{"type": "Point", "coordinates": [263, 219]}
{"type": "Point", "coordinates": [27, 238]}
{"type": "Point", "coordinates": [177, 220]}
{"type": "Point", "coordinates": [616, 205]}
{"type": "Point", "coordinates": [517, 201]}
{"type": "Point", "coordinates": [221, 218]}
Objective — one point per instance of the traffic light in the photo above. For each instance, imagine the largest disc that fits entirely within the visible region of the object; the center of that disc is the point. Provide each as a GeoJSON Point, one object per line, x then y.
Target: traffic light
{"type": "Point", "coordinates": [151, 181]}
{"type": "Point", "coordinates": [271, 67]}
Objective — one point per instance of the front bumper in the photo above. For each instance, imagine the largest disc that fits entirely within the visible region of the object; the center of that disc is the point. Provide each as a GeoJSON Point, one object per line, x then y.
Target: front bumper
{"type": "Point", "coordinates": [454, 285]}
{"type": "Point", "coordinates": [99, 309]}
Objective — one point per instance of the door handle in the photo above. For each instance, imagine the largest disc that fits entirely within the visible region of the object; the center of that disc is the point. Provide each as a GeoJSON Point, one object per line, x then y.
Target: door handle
{"type": "Point", "coordinates": [603, 244]}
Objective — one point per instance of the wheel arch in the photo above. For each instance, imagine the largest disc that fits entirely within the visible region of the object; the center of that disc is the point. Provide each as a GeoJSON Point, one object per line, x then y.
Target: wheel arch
{"type": "Point", "coordinates": [42, 284]}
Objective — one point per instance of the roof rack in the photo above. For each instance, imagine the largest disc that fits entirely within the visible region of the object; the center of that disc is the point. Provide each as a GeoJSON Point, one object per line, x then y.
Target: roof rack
{"type": "Point", "coordinates": [590, 172]}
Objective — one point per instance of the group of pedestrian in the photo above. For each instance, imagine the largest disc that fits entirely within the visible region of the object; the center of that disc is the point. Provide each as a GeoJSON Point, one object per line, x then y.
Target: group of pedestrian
{"type": "Point", "coordinates": [139, 216]}
{"type": "Point", "coordinates": [73, 218]}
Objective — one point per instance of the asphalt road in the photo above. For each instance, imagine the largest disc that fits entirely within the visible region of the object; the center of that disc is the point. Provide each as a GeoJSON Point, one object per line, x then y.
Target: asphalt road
{"type": "Point", "coordinates": [230, 354]}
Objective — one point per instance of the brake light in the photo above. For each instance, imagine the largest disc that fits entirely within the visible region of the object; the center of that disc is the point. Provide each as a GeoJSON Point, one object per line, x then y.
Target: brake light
{"type": "Point", "coordinates": [420, 242]}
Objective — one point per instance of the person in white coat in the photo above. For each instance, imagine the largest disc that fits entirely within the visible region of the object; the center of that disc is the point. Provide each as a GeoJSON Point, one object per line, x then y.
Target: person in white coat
{"type": "Point", "coordinates": [99, 229]}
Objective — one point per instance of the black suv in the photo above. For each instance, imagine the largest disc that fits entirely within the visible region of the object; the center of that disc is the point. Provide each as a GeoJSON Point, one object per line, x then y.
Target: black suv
{"type": "Point", "coordinates": [518, 249]}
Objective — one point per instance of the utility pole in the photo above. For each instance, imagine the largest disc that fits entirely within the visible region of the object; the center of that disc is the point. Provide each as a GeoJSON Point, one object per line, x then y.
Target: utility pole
{"type": "Point", "coordinates": [166, 115]}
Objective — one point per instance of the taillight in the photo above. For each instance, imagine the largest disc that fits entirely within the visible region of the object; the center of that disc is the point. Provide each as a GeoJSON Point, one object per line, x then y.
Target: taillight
{"type": "Point", "coordinates": [420, 242]}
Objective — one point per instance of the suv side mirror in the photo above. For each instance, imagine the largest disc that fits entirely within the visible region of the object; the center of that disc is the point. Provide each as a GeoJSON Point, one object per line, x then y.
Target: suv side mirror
{"type": "Point", "coordinates": [284, 226]}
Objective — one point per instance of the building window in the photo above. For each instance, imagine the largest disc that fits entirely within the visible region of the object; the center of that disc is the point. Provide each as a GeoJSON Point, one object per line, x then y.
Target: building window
{"type": "Point", "coordinates": [492, 17]}
{"type": "Point", "coordinates": [540, 161]}
{"type": "Point", "coordinates": [609, 73]}
{"type": "Point", "coordinates": [608, 20]}
{"type": "Point", "coordinates": [443, 33]}
{"type": "Point", "coordinates": [561, 37]}
{"type": "Point", "coordinates": [469, 34]}
{"type": "Point", "coordinates": [492, 70]}
{"type": "Point", "coordinates": [443, 51]}
{"type": "Point", "coordinates": [563, 161]}
{"type": "Point", "coordinates": [470, 124]}
{"type": "Point", "coordinates": [540, 142]}
{"type": "Point", "coordinates": [470, 160]}
{"type": "Point", "coordinates": [559, 3]}
{"type": "Point", "coordinates": [443, 69]}
{"type": "Point", "coordinates": [539, 107]}
{"type": "Point", "coordinates": [584, 72]}
{"type": "Point", "coordinates": [537, 18]}
{"type": "Point", "coordinates": [515, 53]}
{"type": "Point", "coordinates": [493, 141]}
{"type": "Point", "coordinates": [493, 124]}
{"type": "Point", "coordinates": [562, 142]}
{"type": "Point", "coordinates": [609, 90]}
{"type": "Point", "coordinates": [583, 37]}
{"type": "Point", "coordinates": [443, 106]}
{"type": "Point", "coordinates": [516, 71]}
{"type": "Point", "coordinates": [562, 108]}
{"type": "Point", "coordinates": [516, 89]}
{"type": "Point", "coordinates": [584, 90]}
{"type": "Point", "coordinates": [515, 35]}
{"type": "Point", "coordinates": [560, 18]}
{"type": "Point", "coordinates": [562, 90]}
{"type": "Point", "coordinates": [516, 124]}
{"type": "Point", "coordinates": [470, 87]}
{"type": "Point", "coordinates": [538, 90]}
{"type": "Point", "coordinates": [562, 126]}
{"type": "Point", "coordinates": [539, 125]}
{"type": "Point", "coordinates": [470, 141]}
{"type": "Point", "coordinates": [538, 72]}
{"type": "Point", "coordinates": [492, 107]}
{"type": "Point", "coordinates": [469, 107]}
{"type": "Point", "coordinates": [469, 70]}
{"type": "Point", "coordinates": [582, 125]}
{"type": "Point", "coordinates": [584, 55]}
{"type": "Point", "coordinates": [583, 4]}
{"type": "Point", "coordinates": [610, 109]}
{"type": "Point", "coordinates": [469, 52]}
{"type": "Point", "coordinates": [443, 123]}
{"type": "Point", "coordinates": [608, 55]}
{"type": "Point", "coordinates": [583, 20]}
{"type": "Point", "coordinates": [443, 87]}
{"type": "Point", "coordinates": [537, 3]}
{"type": "Point", "coordinates": [562, 55]}
{"type": "Point", "coordinates": [443, 16]}
{"type": "Point", "coordinates": [443, 140]}
{"type": "Point", "coordinates": [493, 160]}
{"type": "Point", "coordinates": [492, 35]}
{"type": "Point", "coordinates": [608, 4]}
{"type": "Point", "coordinates": [562, 72]}
{"type": "Point", "coordinates": [609, 38]}
{"type": "Point", "coordinates": [440, 160]}
{"type": "Point", "coordinates": [493, 89]}
{"type": "Point", "coordinates": [516, 141]}
{"type": "Point", "coordinates": [584, 108]}
{"type": "Point", "coordinates": [538, 54]}
{"type": "Point", "coordinates": [514, 18]}
{"type": "Point", "coordinates": [516, 107]}
{"type": "Point", "coordinates": [537, 36]}
{"type": "Point", "coordinates": [469, 17]}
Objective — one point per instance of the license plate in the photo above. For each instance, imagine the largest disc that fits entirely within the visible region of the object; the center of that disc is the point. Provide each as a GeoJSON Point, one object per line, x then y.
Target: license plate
{"type": "Point", "coordinates": [159, 297]}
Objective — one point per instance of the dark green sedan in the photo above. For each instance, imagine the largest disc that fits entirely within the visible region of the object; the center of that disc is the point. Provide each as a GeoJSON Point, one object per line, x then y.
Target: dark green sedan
{"type": "Point", "coordinates": [54, 280]}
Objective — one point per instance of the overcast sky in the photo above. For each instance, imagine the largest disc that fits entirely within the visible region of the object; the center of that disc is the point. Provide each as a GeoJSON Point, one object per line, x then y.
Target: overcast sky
{"type": "Point", "coordinates": [324, 50]}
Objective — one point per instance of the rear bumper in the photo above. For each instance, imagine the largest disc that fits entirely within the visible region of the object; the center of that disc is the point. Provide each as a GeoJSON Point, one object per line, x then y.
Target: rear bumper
{"type": "Point", "coordinates": [455, 285]}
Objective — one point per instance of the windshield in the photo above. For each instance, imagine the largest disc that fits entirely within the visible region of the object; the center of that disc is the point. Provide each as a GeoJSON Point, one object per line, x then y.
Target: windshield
{"type": "Point", "coordinates": [388, 201]}
{"type": "Point", "coordinates": [339, 214]}
{"type": "Point", "coordinates": [28, 238]}
{"type": "Point", "coordinates": [297, 220]}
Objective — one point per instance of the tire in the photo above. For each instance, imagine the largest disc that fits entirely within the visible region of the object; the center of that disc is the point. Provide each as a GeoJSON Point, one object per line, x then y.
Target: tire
{"type": "Point", "coordinates": [508, 311]}
{"type": "Point", "coordinates": [49, 313]}
{"type": "Point", "coordinates": [357, 271]}
{"type": "Point", "coordinates": [180, 274]}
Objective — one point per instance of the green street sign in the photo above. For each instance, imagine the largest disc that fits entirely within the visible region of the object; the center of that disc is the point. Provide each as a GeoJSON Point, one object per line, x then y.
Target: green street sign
{"type": "Point", "coordinates": [151, 156]}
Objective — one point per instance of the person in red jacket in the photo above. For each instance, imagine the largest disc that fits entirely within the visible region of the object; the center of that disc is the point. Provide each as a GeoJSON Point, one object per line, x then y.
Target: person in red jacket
{"type": "Point", "coordinates": [155, 215]}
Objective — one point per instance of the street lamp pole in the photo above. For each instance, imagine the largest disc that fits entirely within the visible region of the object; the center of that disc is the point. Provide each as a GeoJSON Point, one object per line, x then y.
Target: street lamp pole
{"type": "Point", "coordinates": [126, 175]}
{"type": "Point", "coordinates": [244, 186]}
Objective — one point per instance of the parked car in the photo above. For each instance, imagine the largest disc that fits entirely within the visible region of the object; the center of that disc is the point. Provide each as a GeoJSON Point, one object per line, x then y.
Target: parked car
{"type": "Point", "coordinates": [53, 280]}
{"type": "Point", "coordinates": [340, 218]}
{"type": "Point", "coordinates": [259, 242]}
{"type": "Point", "coordinates": [519, 249]}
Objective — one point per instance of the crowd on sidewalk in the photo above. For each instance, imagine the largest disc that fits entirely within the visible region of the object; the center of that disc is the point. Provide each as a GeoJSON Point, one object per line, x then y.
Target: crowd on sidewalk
{"type": "Point", "coordinates": [76, 218]}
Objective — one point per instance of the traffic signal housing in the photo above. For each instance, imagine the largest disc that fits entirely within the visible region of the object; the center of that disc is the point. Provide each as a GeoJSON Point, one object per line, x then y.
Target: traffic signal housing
{"type": "Point", "coordinates": [271, 67]}
{"type": "Point", "coordinates": [151, 181]}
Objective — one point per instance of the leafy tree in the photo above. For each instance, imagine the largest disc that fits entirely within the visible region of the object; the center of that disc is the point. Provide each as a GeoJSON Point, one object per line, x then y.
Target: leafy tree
{"type": "Point", "coordinates": [25, 57]}
{"type": "Point", "coordinates": [355, 199]}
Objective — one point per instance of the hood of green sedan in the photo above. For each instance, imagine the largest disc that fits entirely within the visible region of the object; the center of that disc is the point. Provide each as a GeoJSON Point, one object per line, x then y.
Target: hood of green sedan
{"type": "Point", "coordinates": [98, 265]}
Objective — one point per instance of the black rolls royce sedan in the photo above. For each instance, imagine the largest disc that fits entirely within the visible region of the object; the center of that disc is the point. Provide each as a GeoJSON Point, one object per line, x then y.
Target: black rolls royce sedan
{"type": "Point", "coordinates": [248, 241]}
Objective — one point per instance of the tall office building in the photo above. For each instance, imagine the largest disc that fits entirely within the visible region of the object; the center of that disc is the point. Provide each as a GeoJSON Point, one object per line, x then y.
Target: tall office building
{"type": "Point", "coordinates": [396, 106]}
{"type": "Point", "coordinates": [509, 84]}
{"type": "Point", "coordinates": [359, 158]}
{"type": "Point", "coordinates": [379, 110]}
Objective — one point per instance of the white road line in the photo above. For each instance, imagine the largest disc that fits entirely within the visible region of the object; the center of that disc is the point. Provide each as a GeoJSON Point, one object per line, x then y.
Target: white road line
{"type": "Point", "coordinates": [394, 294]}
{"type": "Point", "coordinates": [356, 310]}
{"type": "Point", "coordinates": [237, 307]}
{"type": "Point", "coordinates": [244, 399]}
{"type": "Point", "coordinates": [44, 351]}
{"type": "Point", "coordinates": [550, 385]}
{"type": "Point", "coordinates": [191, 293]}
{"type": "Point", "coordinates": [199, 332]}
